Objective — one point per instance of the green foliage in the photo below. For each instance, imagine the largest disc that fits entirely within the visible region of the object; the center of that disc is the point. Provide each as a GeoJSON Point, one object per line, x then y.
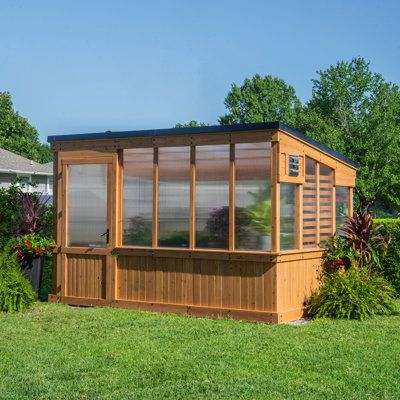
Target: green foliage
{"type": "Point", "coordinates": [338, 253]}
{"type": "Point", "coordinates": [32, 246]}
{"type": "Point", "coordinates": [191, 124]}
{"type": "Point", "coordinates": [356, 112]}
{"type": "Point", "coordinates": [261, 99]}
{"type": "Point", "coordinates": [365, 240]}
{"type": "Point", "coordinates": [352, 294]}
{"type": "Point", "coordinates": [18, 136]}
{"type": "Point", "coordinates": [13, 217]}
{"type": "Point", "coordinates": [260, 215]}
{"type": "Point", "coordinates": [16, 293]}
{"type": "Point", "coordinates": [390, 262]}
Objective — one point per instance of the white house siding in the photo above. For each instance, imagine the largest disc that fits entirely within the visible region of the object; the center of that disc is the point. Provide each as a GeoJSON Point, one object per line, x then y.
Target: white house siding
{"type": "Point", "coordinates": [41, 182]}
{"type": "Point", "coordinates": [6, 179]}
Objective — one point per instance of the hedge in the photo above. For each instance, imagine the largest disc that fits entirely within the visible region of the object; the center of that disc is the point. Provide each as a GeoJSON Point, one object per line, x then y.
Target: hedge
{"type": "Point", "coordinates": [390, 263]}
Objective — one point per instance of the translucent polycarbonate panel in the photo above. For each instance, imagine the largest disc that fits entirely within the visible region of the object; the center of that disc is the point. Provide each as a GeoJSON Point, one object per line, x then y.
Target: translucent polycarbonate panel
{"type": "Point", "coordinates": [342, 205]}
{"type": "Point", "coordinates": [138, 197]}
{"type": "Point", "coordinates": [173, 196]}
{"type": "Point", "coordinates": [212, 197]}
{"type": "Point", "coordinates": [87, 205]}
{"type": "Point", "coordinates": [288, 216]}
{"type": "Point", "coordinates": [325, 202]}
{"type": "Point", "coordinates": [310, 205]}
{"type": "Point", "coordinates": [253, 196]}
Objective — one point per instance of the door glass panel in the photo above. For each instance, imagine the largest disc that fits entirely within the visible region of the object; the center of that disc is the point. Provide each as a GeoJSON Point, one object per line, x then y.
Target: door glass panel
{"type": "Point", "coordinates": [288, 216]}
{"type": "Point", "coordinates": [87, 205]}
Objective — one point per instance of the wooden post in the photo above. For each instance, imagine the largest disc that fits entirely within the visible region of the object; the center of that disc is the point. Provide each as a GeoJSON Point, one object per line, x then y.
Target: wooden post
{"type": "Point", "coordinates": [155, 198]}
{"type": "Point", "coordinates": [350, 201]}
{"type": "Point", "coordinates": [333, 202]}
{"type": "Point", "coordinates": [275, 198]}
{"type": "Point", "coordinates": [317, 199]}
{"type": "Point", "coordinates": [232, 197]}
{"type": "Point", "coordinates": [299, 217]}
{"type": "Point", "coordinates": [192, 202]}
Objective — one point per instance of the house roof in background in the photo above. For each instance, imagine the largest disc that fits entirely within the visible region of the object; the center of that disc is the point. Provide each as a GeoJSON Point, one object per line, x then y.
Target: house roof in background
{"type": "Point", "coordinates": [200, 130]}
{"type": "Point", "coordinates": [11, 162]}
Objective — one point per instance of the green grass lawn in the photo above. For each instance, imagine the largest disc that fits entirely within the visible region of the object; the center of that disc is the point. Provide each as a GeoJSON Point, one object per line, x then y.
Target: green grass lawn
{"type": "Point", "coordinates": [59, 352]}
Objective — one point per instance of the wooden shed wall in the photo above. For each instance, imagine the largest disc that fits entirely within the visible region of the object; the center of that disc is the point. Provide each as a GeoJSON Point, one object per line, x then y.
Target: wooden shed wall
{"type": "Point", "coordinates": [269, 287]}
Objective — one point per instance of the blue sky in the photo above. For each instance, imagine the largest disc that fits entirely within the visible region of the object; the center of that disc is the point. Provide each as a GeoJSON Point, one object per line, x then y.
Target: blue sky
{"type": "Point", "coordinates": [87, 66]}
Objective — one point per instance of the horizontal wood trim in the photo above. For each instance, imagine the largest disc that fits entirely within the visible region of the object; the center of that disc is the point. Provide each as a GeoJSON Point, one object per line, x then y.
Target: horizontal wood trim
{"type": "Point", "coordinates": [95, 251]}
{"type": "Point", "coordinates": [162, 141]}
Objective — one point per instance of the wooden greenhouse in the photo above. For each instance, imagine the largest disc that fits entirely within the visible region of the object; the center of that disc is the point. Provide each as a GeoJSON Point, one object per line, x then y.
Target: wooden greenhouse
{"type": "Point", "coordinates": [208, 221]}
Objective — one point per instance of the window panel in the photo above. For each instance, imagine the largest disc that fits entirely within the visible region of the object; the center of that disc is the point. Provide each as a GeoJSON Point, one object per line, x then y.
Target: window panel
{"type": "Point", "coordinates": [138, 197]}
{"type": "Point", "coordinates": [87, 205]}
{"type": "Point", "coordinates": [173, 196]}
{"type": "Point", "coordinates": [325, 202]}
{"type": "Point", "coordinates": [288, 216]}
{"type": "Point", "coordinates": [342, 205]}
{"type": "Point", "coordinates": [212, 197]}
{"type": "Point", "coordinates": [310, 205]}
{"type": "Point", "coordinates": [253, 196]}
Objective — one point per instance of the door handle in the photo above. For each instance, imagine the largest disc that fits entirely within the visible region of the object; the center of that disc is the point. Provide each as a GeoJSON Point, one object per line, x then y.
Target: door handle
{"type": "Point", "coordinates": [107, 234]}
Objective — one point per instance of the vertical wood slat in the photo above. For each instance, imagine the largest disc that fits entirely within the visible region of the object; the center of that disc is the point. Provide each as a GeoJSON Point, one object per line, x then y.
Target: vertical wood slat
{"type": "Point", "coordinates": [275, 197]}
{"type": "Point", "coordinates": [192, 201]}
{"type": "Point", "coordinates": [350, 201]}
{"type": "Point", "coordinates": [232, 197]}
{"type": "Point", "coordinates": [317, 199]}
{"type": "Point", "coordinates": [155, 198]}
{"type": "Point", "coordinates": [299, 217]}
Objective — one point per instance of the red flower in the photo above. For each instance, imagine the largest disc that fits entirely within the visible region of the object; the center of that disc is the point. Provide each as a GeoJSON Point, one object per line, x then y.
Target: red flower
{"type": "Point", "coordinates": [340, 261]}
{"type": "Point", "coordinates": [20, 254]}
{"type": "Point", "coordinates": [44, 251]}
{"type": "Point", "coordinates": [37, 250]}
{"type": "Point", "coordinates": [28, 244]}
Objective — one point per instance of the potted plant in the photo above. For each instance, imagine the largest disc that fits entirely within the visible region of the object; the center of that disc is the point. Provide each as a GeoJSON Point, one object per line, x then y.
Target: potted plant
{"type": "Point", "coordinates": [31, 250]}
{"type": "Point", "coordinates": [260, 216]}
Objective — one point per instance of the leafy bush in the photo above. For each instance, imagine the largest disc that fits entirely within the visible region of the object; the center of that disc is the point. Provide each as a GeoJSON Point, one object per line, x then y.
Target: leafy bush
{"type": "Point", "coordinates": [390, 262]}
{"type": "Point", "coordinates": [356, 293]}
{"type": "Point", "coordinates": [32, 246]}
{"type": "Point", "coordinates": [16, 293]}
{"type": "Point", "coordinates": [338, 253]}
{"type": "Point", "coordinates": [22, 213]}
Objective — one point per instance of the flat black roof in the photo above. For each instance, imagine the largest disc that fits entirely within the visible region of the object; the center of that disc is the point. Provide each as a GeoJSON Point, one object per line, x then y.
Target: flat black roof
{"type": "Point", "coordinates": [199, 130]}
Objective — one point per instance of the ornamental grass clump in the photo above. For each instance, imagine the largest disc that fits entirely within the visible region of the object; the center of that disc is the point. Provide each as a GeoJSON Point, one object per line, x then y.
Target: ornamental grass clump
{"type": "Point", "coordinates": [351, 287]}
{"type": "Point", "coordinates": [16, 293]}
{"type": "Point", "coordinates": [356, 293]}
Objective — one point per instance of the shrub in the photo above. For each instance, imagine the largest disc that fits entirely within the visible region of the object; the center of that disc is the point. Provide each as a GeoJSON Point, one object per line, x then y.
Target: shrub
{"type": "Point", "coordinates": [356, 293]}
{"type": "Point", "coordinates": [16, 293]}
{"type": "Point", "coordinates": [365, 240]}
{"type": "Point", "coordinates": [390, 262]}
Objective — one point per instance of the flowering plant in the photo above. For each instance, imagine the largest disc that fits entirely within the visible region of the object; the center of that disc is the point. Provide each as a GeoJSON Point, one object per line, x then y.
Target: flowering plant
{"type": "Point", "coordinates": [32, 246]}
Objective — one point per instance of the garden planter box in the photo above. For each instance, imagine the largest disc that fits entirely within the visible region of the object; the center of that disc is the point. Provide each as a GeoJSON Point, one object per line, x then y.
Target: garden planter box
{"type": "Point", "coordinates": [33, 271]}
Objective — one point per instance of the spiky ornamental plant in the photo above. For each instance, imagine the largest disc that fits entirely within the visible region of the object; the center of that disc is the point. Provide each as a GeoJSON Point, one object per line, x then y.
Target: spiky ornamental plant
{"type": "Point", "coordinates": [365, 240]}
{"type": "Point", "coordinates": [34, 207]}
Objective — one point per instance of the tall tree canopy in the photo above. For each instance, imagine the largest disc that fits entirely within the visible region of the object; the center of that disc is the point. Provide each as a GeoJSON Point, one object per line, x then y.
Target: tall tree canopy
{"type": "Point", "coordinates": [17, 135]}
{"type": "Point", "coordinates": [261, 99]}
{"type": "Point", "coordinates": [352, 110]}
{"type": "Point", "coordinates": [191, 124]}
{"type": "Point", "coordinates": [355, 111]}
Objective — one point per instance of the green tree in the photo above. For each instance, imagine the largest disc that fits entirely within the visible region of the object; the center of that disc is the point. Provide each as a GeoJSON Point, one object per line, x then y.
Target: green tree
{"type": "Point", "coordinates": [261, 99]}
{"type": "Point", "coordinates": [191, 124]}
{"type": "Point", "coordinates": [17, 135]}
{"type": "Point", "coordinates": [356, 112]}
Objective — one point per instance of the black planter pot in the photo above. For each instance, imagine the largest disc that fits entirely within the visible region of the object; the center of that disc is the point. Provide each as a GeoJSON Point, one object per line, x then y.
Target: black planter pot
{"type": "Point", "coordinates": [33, 271]}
